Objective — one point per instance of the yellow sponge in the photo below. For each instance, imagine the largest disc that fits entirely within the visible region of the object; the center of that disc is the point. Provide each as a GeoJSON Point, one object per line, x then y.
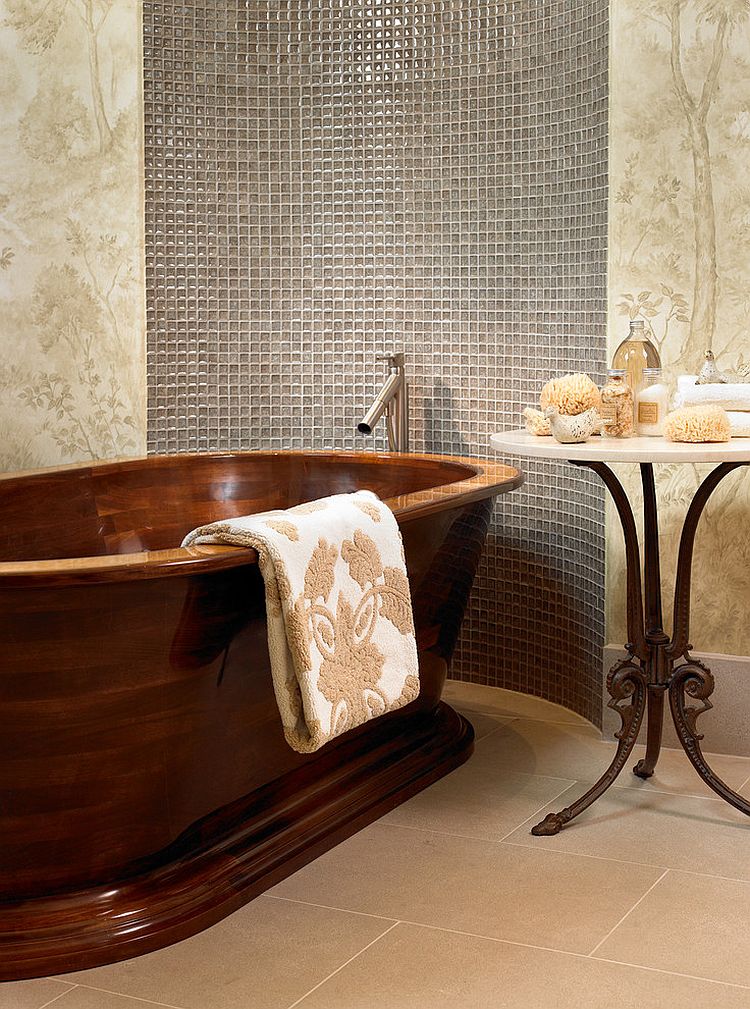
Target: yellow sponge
{"type": "Point", "coordinates": [536, 422]}
{"type": "Point", "coordinates": [571, 394]}
{"type": "Point", "coordinates": [698, 424]}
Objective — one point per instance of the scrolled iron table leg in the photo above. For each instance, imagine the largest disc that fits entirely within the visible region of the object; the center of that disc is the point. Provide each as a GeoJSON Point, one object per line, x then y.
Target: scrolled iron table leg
{"type": "Point", "coordinates": [628, 679]}
{"type": "Point", "coordinates": [655, 665]}
{"type": "Point", "coordinates": [626, 682]}
{"type": "Point", "coordinates": [691, 678]}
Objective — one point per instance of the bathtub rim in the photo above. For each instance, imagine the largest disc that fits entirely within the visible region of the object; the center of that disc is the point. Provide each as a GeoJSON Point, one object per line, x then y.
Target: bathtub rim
{"type": "Point", "coordinates": [484, 479]}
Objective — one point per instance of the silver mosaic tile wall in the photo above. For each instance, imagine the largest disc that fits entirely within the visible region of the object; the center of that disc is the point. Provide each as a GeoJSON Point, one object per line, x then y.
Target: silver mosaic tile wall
{"type": "Point", "coordinates": [329, 178]}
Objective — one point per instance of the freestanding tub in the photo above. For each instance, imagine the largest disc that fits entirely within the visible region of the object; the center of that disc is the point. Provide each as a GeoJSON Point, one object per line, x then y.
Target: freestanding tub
{"type": "Point", "coordinates": [146, 789]}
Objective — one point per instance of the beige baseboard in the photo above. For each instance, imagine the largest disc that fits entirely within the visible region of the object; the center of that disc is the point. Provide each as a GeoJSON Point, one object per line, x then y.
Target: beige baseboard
{"type": "Point", "coordinates": [726, 727]}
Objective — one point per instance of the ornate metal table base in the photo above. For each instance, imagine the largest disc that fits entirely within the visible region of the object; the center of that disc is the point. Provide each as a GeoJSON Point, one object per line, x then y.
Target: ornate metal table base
{"type": "Point", "coordinates": [656, 665]}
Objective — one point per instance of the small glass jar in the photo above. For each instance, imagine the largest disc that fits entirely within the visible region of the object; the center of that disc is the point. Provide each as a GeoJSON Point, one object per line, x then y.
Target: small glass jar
{"type": "Point", "coordinates": [617, 405]}
{"type": "Point", "coordinates": [652, 404]}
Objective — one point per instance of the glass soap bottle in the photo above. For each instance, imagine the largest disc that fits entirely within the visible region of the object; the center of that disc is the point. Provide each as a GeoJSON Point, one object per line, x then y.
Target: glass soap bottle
{"type": "Point", "coordinates": [635, 353]}
{"type": "Point", "coordinates": [617, 405]}
{"type": "Point", "coordinates": [652, 404]}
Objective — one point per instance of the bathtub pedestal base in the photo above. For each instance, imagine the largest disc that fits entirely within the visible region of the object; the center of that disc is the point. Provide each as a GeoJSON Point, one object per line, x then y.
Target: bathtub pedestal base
{"type": "Point", "coordinates": [656, 665]}
{"type": "Point", "coordinates": [236, 853]}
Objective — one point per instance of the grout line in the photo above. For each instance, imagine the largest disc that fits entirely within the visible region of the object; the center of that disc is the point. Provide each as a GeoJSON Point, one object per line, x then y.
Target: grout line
{"type": "Point", "coordinates": [641, 789]}
{"type": "Point", "coordinates": [468, 712]}
{"type": "Point", "coordinates": [134, 998]}
{"type": "Point", "coordinates": [442, 833]}
{"type": "Point", "coordinates": [630, 861]}
{"type": "Point", "coordinates": [671, 973]}
{"type": "Point", "coordinates": [712, 875]}
{"type": "Point", "coordinates": [571, 783]}
{"type": "Point", "coordinates": [501, 725]}
{"type": "Point", "coordinates": [439, 928]}
{"type": "Point", "coordinates": [597, 858]}
{"type": "Point", "coordinates": [474, 837]}
{"type": "Point", "coordinates": [524, 945]}
{"type": "Point", "coordinates": [66, 992]}
{"type": "Point", "coordinates": [331, 907]}
{"type": "Point", "coordinates": [647, 789]}
{"type": "Point", "coordinates": [746, 782]}
{"type": "Point", "coordinates": [552, 851]}
{"type": "Point", "coordinates": [627, 913]}
{"type": "Point", "coordinates": [338, 969]}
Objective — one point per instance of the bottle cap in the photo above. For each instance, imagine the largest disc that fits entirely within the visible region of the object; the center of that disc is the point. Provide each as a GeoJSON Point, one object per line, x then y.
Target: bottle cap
{"type": "Point", "coordinates": [637, 324]}
{"type": "Point", "coordinates": [616, 372]}
{"type": "Point", "coordinates": [652, 372]}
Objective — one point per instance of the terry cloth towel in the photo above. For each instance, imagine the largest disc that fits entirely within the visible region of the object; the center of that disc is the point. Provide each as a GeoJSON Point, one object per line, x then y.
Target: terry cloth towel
{"type": "Point", "coordinates": [739, 423]}
{"type": "Point", "coordinates": [340, 624]}
{"type": "Point", "coordinates": [731, 395]}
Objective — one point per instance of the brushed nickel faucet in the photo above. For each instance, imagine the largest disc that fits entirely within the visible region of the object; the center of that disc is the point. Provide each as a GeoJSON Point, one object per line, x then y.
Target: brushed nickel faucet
{"type": "Point", "coordinates": [393, 401]}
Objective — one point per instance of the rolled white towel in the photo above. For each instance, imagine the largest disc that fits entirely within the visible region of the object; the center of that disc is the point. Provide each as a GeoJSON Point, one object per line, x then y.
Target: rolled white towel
{"type": "Point", "coordinates": [739, 423]}
{"type": "Point", "coordinates": [733, 396]}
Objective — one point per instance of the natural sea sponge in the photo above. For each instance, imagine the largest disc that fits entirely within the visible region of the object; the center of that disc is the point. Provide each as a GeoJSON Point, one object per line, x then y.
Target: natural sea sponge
{"type": "Point", "coordinates": [698, 424]}
{"type": "Point", "coordinates": [536, 422]}
{"type": "Point", "coordinates": [571, 394]}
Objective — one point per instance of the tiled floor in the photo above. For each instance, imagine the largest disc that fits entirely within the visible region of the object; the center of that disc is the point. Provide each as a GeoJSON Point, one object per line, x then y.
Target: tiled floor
{"type": "Point", "coordinates": [449, 903]}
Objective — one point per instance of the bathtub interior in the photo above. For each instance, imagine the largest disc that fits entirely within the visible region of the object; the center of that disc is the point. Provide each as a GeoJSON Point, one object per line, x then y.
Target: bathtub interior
{"type": "Point", "coordinates": [150, 504]}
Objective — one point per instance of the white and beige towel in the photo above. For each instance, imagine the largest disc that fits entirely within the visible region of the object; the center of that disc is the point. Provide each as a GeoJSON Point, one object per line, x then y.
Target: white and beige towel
{"type": "Point", "coordinates": [340, 624]}
{"type": "Point", "coordinates": [733, 396]}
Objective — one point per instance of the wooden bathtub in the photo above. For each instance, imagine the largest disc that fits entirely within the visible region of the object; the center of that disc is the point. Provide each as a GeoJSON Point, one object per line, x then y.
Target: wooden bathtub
{"type": "Point", "coordinates": [146, 789]}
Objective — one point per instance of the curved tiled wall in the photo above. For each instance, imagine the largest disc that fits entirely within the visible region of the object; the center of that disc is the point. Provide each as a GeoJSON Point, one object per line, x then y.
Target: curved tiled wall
{"type": "Point", "coordinates": [327, 178]}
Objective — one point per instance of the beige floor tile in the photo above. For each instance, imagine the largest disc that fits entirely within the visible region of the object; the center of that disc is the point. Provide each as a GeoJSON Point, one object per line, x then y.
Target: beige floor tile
{"type": "Point", "coordinates": [265, 955]}
{"type": "Point", "coordinates": [675, 773]}
{"type": "Point", "coordinates": [30, 994]}
{"type": "Point", "coordinates": [574, 751]}
{"type": "Point", "coordinates": [419, 968]}
{"type": "Point", "coordinates": [483, 723]}
{"type": "Point", "coordinates": [497, 890]}
{"type": "Point", "coordinates": [89, 998]}
{"type": "Point", "coordinates": [674, 831]}
{"type": "Point", "coordinates": [480, 799]}
{"type": "Point", "coordinates": [496, 700]}
{"type": "Point", "coordinates": [699, 926]}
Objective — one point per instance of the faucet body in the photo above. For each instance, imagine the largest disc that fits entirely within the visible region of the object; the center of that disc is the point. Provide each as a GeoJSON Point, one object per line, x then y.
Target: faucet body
{"type": "Point", "coordinates": [393, 401]}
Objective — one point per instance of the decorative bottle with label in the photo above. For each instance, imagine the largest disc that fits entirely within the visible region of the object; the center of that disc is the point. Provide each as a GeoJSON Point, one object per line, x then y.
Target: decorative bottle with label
{"type": "Point", "coordinates": [635, 353]}
{"type": "Point", "coordinates": [652, 404]}
{"type": "Point", "coordinates": [617, 405]}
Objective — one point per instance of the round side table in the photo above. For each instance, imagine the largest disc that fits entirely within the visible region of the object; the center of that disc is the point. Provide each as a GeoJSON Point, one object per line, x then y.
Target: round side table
{"type": "Point", "coordinates": [656, 665]}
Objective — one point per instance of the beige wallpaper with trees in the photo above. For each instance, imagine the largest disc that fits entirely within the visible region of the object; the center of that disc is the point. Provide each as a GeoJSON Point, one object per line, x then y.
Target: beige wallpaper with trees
{"type": "Point", "coordinates": [680, 257]}
{"type": "Point", "coordinates": [72, 328]}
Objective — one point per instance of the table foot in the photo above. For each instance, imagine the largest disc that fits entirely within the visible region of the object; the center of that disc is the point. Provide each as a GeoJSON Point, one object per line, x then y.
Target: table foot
{"type": "Point", "coordinates": [694, 680]}
{"type": "Point", "coordinates": [551, 824]}
{"type": "Point", "coordinates": [645, 767]}
{"type": "Point", "coordinates": [626, 684]}
{"type": "Point", "coordinates": [642, 770]}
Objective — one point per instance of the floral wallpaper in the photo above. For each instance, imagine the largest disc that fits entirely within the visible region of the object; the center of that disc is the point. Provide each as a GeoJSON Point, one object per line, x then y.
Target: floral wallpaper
{"type": "Point", "coordinates": [72, 370]}
{"type": "Point", "coordinates": [680, 258]}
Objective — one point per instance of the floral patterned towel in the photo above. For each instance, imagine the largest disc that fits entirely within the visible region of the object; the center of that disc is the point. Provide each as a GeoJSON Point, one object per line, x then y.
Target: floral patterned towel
{"type": "Point", "coordinates": [340, 624]}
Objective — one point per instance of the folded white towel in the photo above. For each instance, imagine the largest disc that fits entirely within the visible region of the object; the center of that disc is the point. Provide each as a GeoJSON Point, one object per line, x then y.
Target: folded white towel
{"type": "Point", "coordinates": [340, 624]}
{"type": "Point", "coordinates": [731, 395]}
{"type": "Point", "coordinates": [739, 423]}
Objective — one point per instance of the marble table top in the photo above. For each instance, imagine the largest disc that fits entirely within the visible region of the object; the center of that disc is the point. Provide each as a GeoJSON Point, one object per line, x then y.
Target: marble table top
{"type": "Point", "coordinates": [613, 450]}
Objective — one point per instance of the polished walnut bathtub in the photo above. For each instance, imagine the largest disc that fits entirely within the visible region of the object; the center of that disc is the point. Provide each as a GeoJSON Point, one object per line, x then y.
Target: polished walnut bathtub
{"type": "Point", "coordinates": [146, 788]}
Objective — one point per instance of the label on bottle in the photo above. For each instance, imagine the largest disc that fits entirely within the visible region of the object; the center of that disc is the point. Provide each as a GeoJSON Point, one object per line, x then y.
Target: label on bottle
{"type": "Point", "coordinates": [648, 413]}
{"type": "Point", "coordinates": [608, 412]}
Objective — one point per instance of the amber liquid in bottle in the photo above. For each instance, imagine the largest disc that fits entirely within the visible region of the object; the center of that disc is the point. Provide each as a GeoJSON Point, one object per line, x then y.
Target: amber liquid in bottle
{"type": "Point", "coordinates": [635, 353]}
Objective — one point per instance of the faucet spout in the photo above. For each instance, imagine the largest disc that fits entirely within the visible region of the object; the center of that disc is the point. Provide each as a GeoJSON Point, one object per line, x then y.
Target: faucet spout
{"type": "Point", "coordinates": [393, 402]}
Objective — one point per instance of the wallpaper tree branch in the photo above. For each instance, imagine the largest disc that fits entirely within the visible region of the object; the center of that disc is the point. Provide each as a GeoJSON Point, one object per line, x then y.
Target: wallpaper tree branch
{"type": "Point", "coordinates": [72, 370]}
{"type": "Point", "coordinates": [680, 256]}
